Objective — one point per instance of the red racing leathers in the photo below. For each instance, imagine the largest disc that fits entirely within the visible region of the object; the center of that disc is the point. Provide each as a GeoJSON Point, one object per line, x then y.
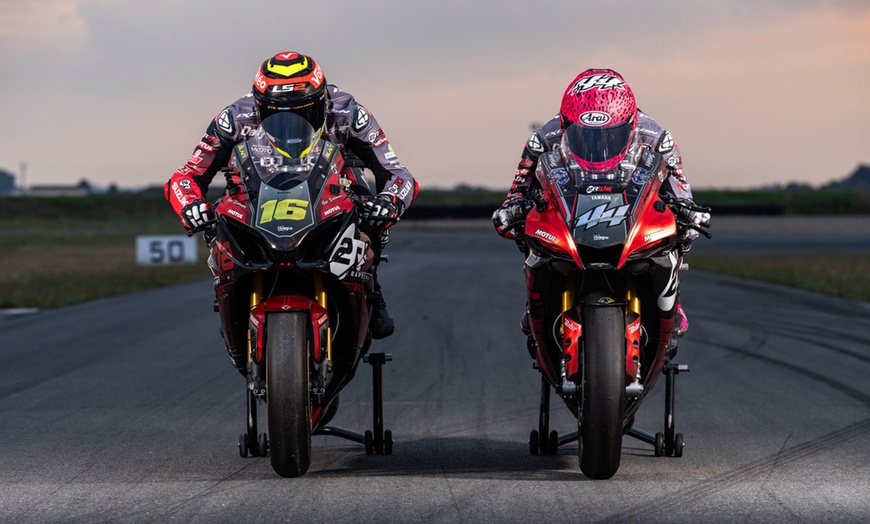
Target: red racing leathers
{"type": "Point", "coordinates": [348, 125]}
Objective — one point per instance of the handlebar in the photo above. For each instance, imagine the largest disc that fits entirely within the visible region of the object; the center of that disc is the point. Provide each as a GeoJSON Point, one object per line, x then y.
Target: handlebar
{"type": "Point", "coordinates": [680, 206]}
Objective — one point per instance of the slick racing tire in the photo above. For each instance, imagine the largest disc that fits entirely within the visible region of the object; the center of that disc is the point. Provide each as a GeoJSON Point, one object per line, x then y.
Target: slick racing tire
{"type": "Point", "coordinates": [603, 392]}
{"type": "Point", "coordinates": [287, 393]}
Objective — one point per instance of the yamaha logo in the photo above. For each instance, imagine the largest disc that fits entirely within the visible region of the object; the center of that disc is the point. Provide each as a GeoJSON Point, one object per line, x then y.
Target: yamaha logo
{"type": "Point", "coordinates": [594, 118]}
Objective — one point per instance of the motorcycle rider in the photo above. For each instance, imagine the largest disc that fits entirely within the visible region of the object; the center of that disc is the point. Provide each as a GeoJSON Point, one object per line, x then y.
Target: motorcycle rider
{"type": "Point", "coordinates": [294, 82]}
{"type": "Point", "coordinates": [599, 109]}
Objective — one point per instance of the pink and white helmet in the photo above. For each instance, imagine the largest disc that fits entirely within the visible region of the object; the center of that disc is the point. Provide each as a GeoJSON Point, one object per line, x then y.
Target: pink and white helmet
{"type": "Point", "coordinates": [599, 119]}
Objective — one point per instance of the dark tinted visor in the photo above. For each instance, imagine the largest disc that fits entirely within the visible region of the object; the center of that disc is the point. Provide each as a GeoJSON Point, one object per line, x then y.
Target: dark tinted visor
{"type": "Point", "coordinates": [598, 144]}
{"type": "Point", "coordinates": [312, 110]}
{"type": "Point", "coordinates": [291, 135]}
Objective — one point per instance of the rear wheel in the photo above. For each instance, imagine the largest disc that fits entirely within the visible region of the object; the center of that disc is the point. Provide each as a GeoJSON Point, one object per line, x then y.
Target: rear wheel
{"type": "Point", "coordinates": [603, 392]}
{"type": "Point", "coordinates": [287, 393]}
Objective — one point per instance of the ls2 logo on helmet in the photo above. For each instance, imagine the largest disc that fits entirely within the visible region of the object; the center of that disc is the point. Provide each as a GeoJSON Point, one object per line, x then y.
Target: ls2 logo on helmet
{"type": "Point", "coordinates": [594, 118]}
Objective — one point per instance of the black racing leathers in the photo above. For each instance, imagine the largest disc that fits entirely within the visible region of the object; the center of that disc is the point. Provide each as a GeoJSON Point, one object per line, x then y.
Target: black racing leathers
{"type": "Point", "coordinates": [550, 135]}
{"type": "Point", "coordinates": [349, 125]}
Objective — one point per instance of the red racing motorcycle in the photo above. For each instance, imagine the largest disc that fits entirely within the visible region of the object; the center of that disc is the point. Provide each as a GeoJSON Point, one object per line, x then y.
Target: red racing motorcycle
{"type": "Point", "coordinates": [602, 271]}
{"type": "Point", "coordinates": [294, 287]}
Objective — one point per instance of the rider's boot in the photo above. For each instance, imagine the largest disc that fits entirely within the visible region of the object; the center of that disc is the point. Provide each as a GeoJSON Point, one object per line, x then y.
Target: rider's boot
{"type": "Point", "coordinates": [681, 325]}
{"type": "Point", "coordinates": [381, 324]}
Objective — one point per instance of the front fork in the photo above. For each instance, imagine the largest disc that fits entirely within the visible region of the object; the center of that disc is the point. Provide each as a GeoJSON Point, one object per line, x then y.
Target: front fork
{"type": "Point", "coordinates": [572, 335]}
{"type": "Point", "coordinates": [321, 337]}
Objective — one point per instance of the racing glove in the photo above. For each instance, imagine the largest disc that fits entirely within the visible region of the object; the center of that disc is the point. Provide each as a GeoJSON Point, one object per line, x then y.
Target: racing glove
{"type": "Point", "coordinates": [698, 218]}
{"type": "Point", "coordinates": [381, 211]}
{"type": "Point", "coordinates": [196, 215]}
{"type": "Point", "coordinates": [689, 219]}
{"type": "Point", "coordinates": [510, 216]}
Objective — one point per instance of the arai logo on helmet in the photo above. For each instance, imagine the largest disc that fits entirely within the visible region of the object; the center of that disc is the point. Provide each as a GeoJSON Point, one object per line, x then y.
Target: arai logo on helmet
{"type": "Point", "coordinates": [594, 118]}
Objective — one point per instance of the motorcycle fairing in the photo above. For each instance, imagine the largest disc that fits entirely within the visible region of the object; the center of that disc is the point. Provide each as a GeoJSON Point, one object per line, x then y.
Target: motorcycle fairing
{"type": "Point", "coordinates": [572, 336]}
{"type": "Point", "coordinates": [350, 254]}
{"type": "Point", "coordinates": [633, 328]}
{"type": "Point", "coordinates": [600, 214]}
{"type": "Point", "coordinates": [317, 315]}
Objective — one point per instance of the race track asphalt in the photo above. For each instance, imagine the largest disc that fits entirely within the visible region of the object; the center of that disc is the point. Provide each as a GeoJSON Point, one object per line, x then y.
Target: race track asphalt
{"type": "Point", "coordinates": [127, 410]}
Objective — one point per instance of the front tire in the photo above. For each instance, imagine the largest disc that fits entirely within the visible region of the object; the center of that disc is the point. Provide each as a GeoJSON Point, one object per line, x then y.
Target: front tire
{"type": "Point", "coordinates": [603, 392]}
{"type": "Point", "coordinates": [287, 393]}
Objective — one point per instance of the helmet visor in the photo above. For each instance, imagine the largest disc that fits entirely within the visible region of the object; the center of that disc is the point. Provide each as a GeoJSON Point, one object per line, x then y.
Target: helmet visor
{"type": "Point", "coordinates": [598, 144]}
{"type": "Point", "coordinates": [291, 135]}
{"type": "Point", "coordinates": [313, 110]}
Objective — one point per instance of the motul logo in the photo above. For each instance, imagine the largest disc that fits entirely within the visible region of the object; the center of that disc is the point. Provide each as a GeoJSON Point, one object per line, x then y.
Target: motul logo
{"type": "Point", "coordinates": [599, 214]}
{"type": "Point", "coordinates": [543, 234]}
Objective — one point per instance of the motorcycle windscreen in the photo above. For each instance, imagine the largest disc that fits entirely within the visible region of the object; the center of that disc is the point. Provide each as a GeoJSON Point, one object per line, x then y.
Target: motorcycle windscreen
{"type": "Point", "coordinates": [601, 220]}
{"type": "Point", "coordinates": [285, 150]}
{"type": "Point", "coordinates": [284, 215]}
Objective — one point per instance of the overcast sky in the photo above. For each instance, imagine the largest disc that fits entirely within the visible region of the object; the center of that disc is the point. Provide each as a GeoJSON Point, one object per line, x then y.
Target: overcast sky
{"type": "Point", "coordinates": [755, 93]}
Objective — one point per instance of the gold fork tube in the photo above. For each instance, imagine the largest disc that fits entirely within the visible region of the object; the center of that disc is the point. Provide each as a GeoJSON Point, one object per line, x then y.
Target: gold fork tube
{"type": "Point", "coordinates": [256, 298]}
{"type": "Point", "coordinates": [632, 298]}
{"type": "Point", "coordinates": [320, 297]}
{"type": "Point", "coordinates": [568, 294]}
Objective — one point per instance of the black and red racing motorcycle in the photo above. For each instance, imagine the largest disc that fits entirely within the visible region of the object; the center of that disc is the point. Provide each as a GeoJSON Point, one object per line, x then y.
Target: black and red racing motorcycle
{"type": "Point", "coordinates": [604, 254]}
{"type": "Point", "coordinates": [294, 287]}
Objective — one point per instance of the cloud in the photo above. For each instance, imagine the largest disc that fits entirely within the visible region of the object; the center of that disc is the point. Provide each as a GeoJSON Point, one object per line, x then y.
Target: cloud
{"type": "Point", "coordinates": [454, 83]}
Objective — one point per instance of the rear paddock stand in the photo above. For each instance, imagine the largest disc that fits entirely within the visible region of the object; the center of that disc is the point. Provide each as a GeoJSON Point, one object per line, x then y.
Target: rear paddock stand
{"type": "Point", "coordinates": [378, 440]}
{"type": "Point", "coordinates": [667, 443]}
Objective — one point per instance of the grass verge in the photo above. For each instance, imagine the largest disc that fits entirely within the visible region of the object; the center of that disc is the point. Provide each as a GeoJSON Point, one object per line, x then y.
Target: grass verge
{"type": "Point", "coordinates": [43, 265]}
{"type": "Point", "coordinates": [843, 275]}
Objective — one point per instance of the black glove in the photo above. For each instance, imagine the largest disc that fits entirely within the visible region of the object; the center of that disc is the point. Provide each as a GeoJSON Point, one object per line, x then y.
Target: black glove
{"type": "Point", "coordinates": [381, 211]}
{"type": "Point", "coordinates": [691, 222]}
{"type": "Point", "coordinates": [511, 215]}
{"type": "Point", "coordinates": [196, 215]}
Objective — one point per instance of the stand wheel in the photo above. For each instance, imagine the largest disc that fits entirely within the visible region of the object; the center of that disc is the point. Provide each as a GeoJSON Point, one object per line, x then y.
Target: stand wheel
{"type": "Point", "coordinates": [660, 444]}
{"type": "Point", "coordinates": [553, 443]}
{"type": "Point", "coordinates": [369, 442]}
{"type": "Point", "coordinates": [263, 444]}
{"type": "Point", "coordinates": [534, 442]}
{"type": "Point", "coordinates": [678, 445]}
{"type": "Point", "coordinates": [388, 442]}
{"type": "Point", "coordinates": [243, 445]}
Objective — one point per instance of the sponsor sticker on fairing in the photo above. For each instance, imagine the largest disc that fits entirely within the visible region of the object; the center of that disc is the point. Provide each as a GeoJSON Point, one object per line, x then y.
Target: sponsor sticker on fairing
{"type": "Point", "coordinates": [654, 235]}
{"type": "Point", "coordinates": [543, 234]}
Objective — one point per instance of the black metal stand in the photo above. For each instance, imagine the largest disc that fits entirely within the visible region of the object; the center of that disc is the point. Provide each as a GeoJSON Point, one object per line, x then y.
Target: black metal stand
{"type": "Point", "coordinates": [380, 440]}
{"type": "Point", "coordinates": [667, 443]}
{"type": "Point", "coordinates": [249, 442]}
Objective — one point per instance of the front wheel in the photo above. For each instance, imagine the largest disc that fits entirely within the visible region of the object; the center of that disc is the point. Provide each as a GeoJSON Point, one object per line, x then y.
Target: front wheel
{"type": "Point", "coordinates": [602, 392]}
{"type": "Point", "coordinates": [287, 393]}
